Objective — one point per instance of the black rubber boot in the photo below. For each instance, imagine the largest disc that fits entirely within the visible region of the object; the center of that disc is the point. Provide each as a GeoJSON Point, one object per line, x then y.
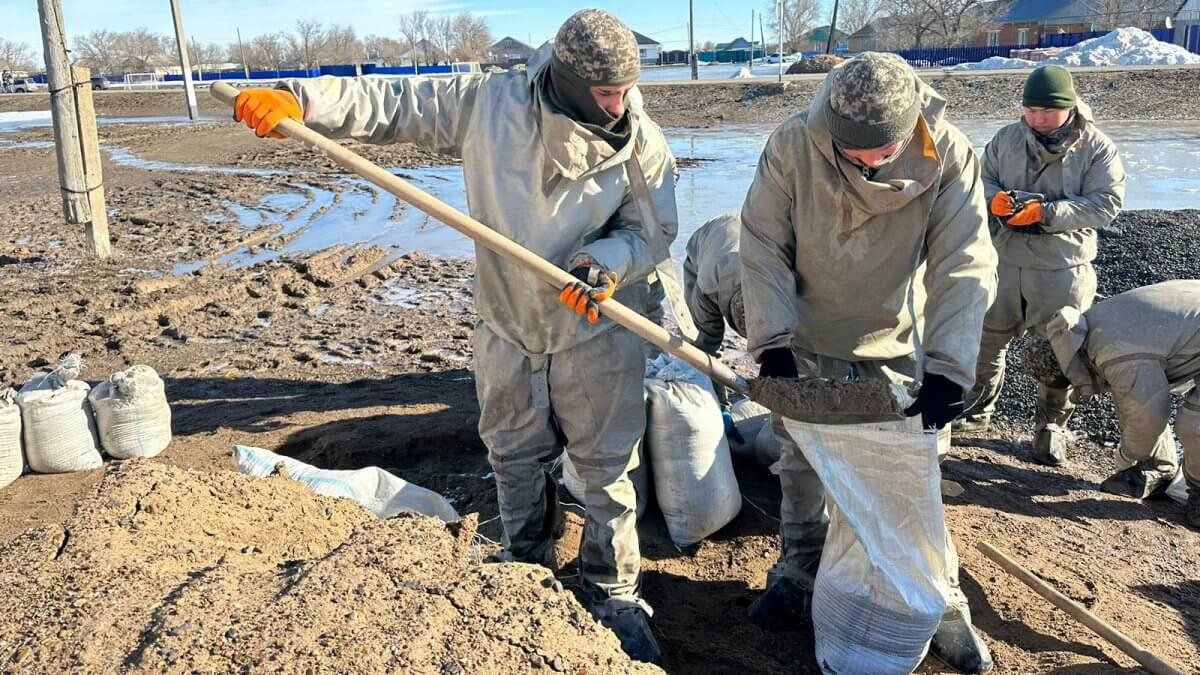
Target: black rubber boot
{"type": "Point", "coordinates": [553, 527]}
{"type": "Point", "coordinates": [632, 627]}
{"type": "Point", "coordinates": [784, 606]}
{"type": "Point", "coordinates": [1191, 512]}
{"type": "Point", "coordinates": [957, 643]}
{"type": "Point", "coordinates": [1050, 448]}
{"type": "Point", "coordinates": [1139, 482]}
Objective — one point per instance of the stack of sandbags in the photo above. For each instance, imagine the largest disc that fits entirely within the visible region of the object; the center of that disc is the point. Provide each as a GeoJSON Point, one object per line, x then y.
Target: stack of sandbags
{"type": "Point", "coordinates": [132, 413]}
{"type": "Point", "coordinates": [690, 464]}
{"type": "Point", "coordinates": [57, 425]}
{"type": "Point", "coordinates": [11, 458]}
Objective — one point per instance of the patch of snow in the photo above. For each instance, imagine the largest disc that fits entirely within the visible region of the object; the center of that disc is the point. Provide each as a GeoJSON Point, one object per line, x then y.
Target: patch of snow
{"type": "Point", "coordinates": [996, 63]}
{"type": "Point", "coordinates": [741, 74]}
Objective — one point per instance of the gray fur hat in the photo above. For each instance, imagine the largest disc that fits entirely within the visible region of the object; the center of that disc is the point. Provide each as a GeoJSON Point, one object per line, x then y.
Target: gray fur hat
{"type": "Point", "coordinates": [598, 48]}
{"type": "Point", "coordinates": [873, 101]}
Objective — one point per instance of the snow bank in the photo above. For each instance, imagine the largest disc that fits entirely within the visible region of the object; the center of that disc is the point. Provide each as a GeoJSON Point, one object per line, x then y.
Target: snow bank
{"type": "Point", "coordinates": [1125, 47]}
{"type": "Point", "coordinates": [741, 74]}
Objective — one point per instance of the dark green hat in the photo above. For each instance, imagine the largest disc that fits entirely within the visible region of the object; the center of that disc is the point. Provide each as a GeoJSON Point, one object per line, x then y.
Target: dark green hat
{"type": "Point", "coordinates": [1049, 87]}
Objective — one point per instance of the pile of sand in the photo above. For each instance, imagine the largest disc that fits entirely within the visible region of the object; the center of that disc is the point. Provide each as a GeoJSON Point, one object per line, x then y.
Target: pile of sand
{"type": "Point", "coordinates": [167, 570]}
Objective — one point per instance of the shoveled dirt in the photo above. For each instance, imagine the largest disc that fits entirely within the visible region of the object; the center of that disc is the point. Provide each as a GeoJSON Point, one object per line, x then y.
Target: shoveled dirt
{"type": "Point", "coordinates": [353, 357]}
{"type": "Point", "coordinates": [166, 570]}
{"type": "Point", "coordinates": [817, 399]}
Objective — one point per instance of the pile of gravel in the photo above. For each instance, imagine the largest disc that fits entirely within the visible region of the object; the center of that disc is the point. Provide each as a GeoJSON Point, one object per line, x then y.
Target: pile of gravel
{"type": "Point", "coordinates": [1139, 249]}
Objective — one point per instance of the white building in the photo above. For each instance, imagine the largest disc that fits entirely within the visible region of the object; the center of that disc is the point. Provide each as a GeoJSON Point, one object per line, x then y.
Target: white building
{"type": "Point", "coordinates": [649, 49]}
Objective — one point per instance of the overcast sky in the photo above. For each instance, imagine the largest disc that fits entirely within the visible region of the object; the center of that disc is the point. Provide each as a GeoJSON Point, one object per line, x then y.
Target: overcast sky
{"type": "Point", "coordinates": [527, 20]}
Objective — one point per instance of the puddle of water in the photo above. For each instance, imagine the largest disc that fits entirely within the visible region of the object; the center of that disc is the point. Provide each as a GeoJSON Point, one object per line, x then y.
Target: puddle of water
{"type": "Point", "coordinates": [124, 157]}
{"type": "Point", "coordinates": [15, 121]}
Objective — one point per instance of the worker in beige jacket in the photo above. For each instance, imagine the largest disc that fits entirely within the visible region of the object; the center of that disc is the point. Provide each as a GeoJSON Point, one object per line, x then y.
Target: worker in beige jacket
{"type": "Point", "coordinates": [865, 219]}
{"type": "Point", "coordinates": [1141, 345]}
{"type": "Point", "coordinates": [712, 281]}
{"type": "Point", "coordinates": [1052, 179]}
{"type": "Point", "coordinates": [543, 154]}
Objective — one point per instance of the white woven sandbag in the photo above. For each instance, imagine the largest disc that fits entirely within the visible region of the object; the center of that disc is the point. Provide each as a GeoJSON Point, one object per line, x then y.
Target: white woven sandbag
{"type": "Point", "coordinates": [690, 465]}
{"type": "Point", "coordinates": [882, 586]}
{"type": "Point", "coordinates": [56, 421]}
{"type": "Point", "coordinates": [380, 492]}
{"type": "Point", "coordinates": [132, 414]}
{"type": "Point", "coordinates": [11, 458]}
{"type": "Point", "coordinates": [749, 418]}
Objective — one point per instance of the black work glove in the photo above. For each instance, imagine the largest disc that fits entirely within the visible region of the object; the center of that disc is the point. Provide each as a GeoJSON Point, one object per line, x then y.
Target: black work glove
{"type": "Point", "coordinates": [778, 362]}
{"type": "Point", "coordinates": [938, 402]}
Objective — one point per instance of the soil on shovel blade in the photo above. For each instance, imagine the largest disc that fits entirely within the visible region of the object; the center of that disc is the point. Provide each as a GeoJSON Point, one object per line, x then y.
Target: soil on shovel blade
{"type": "Point", "coordinates": [818, 399]}
{"type": "Point", "coordinates": [350, 357]}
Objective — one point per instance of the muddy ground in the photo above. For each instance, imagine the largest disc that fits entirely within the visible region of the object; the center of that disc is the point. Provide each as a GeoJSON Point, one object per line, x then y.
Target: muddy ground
{"type": "Point", "coordinates": [305, 356]}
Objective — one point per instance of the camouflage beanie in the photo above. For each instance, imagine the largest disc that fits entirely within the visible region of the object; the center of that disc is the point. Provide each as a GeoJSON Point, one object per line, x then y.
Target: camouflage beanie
{"type": "Point", "coordinates": [598, 48]}
{"type": "Point", "coordinates": [873, 101]}
{"type": "Point", "coordinates": [1038, 361]}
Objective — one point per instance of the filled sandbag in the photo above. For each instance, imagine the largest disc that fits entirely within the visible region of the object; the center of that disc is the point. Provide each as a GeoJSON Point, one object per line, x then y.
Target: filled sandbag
{"type": "Point", "coordinates": [767, 447]}
{"type": "Point", "coordinates": [12, 460]}
{"type": "Point", "coordinates": [380, 492]}
{"type": "Point", "coordinates": [56, 420]}
{"type": "Point", "coordinates": [748, 418]}
{"type": "Point", "coordinates": [132, 414]}
{"type": "Point", "coordinates": [690, 464]}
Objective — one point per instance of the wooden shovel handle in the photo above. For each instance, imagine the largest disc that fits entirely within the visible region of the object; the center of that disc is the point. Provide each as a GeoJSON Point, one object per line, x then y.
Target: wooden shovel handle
{"type": "Point", "coordinates": [1079, 612]}
{"type": "Point", "coordinates": [496, 242]}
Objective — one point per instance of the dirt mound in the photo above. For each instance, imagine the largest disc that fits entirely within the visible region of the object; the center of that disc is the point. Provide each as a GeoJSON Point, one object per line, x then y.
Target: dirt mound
{"type": "Point", "coordinates": [821, 63]}
{"type": "Point", "coordinates": [167, 570]}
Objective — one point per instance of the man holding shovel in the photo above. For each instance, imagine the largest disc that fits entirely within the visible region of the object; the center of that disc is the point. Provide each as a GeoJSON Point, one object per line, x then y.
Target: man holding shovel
{"type": "Point", "coordinates": [1052, 179]}
{"type": "Point", "coordinates": [866, 221]}
{"type": "Point", "coordinates": [544, 155]}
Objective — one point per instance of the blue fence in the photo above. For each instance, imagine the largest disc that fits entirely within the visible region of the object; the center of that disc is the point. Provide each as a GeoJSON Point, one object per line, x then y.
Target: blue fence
{"type": "Point", "coordinates": [336, 70]}
{"type": "Point", "coordinates": [951, 56]}
{"type": "Point", "coordinates": [1070, 39]}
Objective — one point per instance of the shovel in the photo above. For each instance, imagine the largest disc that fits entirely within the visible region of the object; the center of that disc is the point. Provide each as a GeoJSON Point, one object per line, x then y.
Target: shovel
{"type": "Point", "coordinates": [834, 398]}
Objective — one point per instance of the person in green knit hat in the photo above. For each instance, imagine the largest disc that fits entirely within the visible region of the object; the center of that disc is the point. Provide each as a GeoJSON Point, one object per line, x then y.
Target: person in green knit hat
{"type": "Point", "coordinates": [1052, 180]}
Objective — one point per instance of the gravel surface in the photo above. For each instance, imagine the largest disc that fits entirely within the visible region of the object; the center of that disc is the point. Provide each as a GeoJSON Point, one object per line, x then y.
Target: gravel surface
{"type": "Point", "coordinates": [1141, 248]}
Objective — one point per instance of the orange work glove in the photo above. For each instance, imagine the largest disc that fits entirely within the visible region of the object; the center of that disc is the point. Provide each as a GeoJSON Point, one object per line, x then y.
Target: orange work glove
{"type": "Point", "coordinates": [263, 109]}
{"type": "Point", "coordinates": [1029, 214]}
{"type": "Point", "coordinates": [1002, 204]}
{"type": "Point", "coordinates": [595, 285]}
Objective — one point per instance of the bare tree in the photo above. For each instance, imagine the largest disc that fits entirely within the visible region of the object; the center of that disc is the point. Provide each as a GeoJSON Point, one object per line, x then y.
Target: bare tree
{"type": "Point", "coordinates": [441, 34]}
{"type": "Point", "coordinates": [854, 14]}
{"type": "Point", "coordinates": [1113, 14]}
{"type": "Point", "coordinates": [386, 48]}
{"type": "Point", "coordinates": [99, 51]}
{"type": "Point", "coordinates": [267, 51]}
{"type": "Point", "coordinates": [306, 44]}
{"type": "Point", "coordinates": [940, 23]}
{"type": "Point", "coordinates": [141, 50]}
{"type": "Point", "coordinates": [342, 45]}
{"type": "Point", "coordinates": [208, 55]}
{"type": "Point", "coordinates": [708, 46]}
{"type": "Point", "coordinates": [415, 29]}
{"type": "Point", "coordinates": [472, 38]}
{"type": "Point", "coordinates": [798, 17]}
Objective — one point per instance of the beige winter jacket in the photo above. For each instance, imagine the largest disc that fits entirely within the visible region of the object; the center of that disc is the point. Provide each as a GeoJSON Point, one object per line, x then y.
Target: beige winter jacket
{"type": "Point", "coordinates": [1084, 186]}
{"type": "Point", "coordinates": [712, 278]}
{"type": "Point", "coordinates": [828, 256]}
{"type": "Point", "coordinates": [1140, 345]}
{"type": "Point", "coordinates": [531, 174]}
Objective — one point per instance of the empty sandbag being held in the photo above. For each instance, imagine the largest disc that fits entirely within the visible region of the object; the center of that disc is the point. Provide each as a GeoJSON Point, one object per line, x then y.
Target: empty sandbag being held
{"type": "Point", "coordinates": [132, 413]}
{"type": "Point", "coordinates": [12, 459]}
{"type": "Point", "coordinates": [58, 430]}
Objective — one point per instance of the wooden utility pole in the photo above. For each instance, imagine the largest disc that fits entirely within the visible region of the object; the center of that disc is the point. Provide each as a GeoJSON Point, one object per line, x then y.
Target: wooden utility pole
{"type": "Point", "coordinates": [242, 49]}
{"type": "Point", "coordinates": [692, 41]}
{"type": "Point", "coordinates": [184, 63]}
{"type": "Point", "coordinates": [75, 141]}
{"type": "Point", "coordinates": [780, 7]}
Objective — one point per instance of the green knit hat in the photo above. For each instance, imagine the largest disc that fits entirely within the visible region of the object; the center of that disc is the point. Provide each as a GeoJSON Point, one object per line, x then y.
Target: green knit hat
{"type": "Point", "coordinates": [1049, 87]}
